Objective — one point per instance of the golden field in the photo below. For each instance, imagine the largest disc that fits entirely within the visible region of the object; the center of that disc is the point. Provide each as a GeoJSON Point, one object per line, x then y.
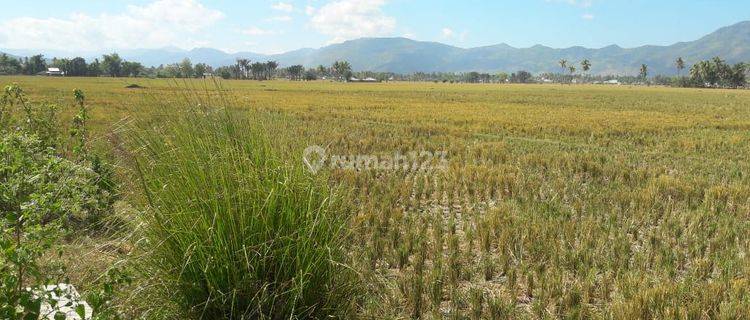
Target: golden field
{"type": "Point", "coordinates": [558, 201]}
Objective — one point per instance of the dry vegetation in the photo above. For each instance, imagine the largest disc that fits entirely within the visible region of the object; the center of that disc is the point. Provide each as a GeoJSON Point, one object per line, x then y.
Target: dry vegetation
{"type": "Point", "coordinates": [558, 201]}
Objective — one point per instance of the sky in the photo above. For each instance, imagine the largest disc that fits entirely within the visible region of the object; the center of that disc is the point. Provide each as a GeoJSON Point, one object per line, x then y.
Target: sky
{"type": "Point", "coordinates": [279, 26]}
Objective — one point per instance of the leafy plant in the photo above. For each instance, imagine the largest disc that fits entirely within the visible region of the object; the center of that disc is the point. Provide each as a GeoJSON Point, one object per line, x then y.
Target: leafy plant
{"type": "Point", "coordinates": [34, 206]}
{"type": "Point", "coordinates": [38, 119]}
{"type": "Point", "coordinates": [41, 195]}
{"type": "Point", "coordinates": [100, 299]}
{"type": "Point", "coordinates": [78, 131]}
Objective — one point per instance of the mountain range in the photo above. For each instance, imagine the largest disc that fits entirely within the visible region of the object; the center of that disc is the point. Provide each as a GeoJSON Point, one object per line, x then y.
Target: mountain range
{"type": "Point", "coordinates": [402, 55]}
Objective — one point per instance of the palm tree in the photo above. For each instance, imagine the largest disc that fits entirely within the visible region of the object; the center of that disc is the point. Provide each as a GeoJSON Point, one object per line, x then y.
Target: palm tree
{"type": "Point", "coordinates": [296, 71]}
{"type": "Point", "coordinates": [709, 72]}
{"type": "Point", "coordinates": [696, 73]}
{"type": "Point", "coordinates": [572, 70]}
{"type": "Point", "coordinates": [586, 65]}
{"type": "Point", "coordinates": [723, 71]}
{"type": "Point", "coordinates": [703, 73]}
{"type": "Point", "coordinates": [564, 65]}
{"type": "Point", "coordinates": [342, 69]}
{"type": "Point", "coordinates": [243, 67]}
{"type": "Point", "coordinates": [680, 65]}
{"type": "Point", "coordinates": [322, 70]}
{"type": "Point", "coordinates": [644, 72]}
{"type": "Point", "coordinates": [258, 70]}
{"type": "Point", "coordinates": [270, 68]}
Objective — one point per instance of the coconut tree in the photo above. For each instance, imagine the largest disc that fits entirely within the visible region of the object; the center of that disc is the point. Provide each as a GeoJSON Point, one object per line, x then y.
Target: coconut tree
{"type": "Point", "coordinates": [680, 66]}
{"type": "Point", "coordinates": [737, 76]}
{"type": "Point", "coordinates": [564, 65]}
{"type": "Point", "coordinates": [699, 73]}
{"type": "Point", "coordinates": [295, 71]}
{"type": "Point", "coordinates": [258, 70]}
{"type": "Point", "coordinates": [342, 69]}
{"type": "Point", "coordinates": [643, 72]}
{"type": "Point", "coordinates": [271, 68]}
{"type": "Point", "coordinates": [572, 70]}
{"type": "Point", "coordinates": [586, 65]}
{"type": "Point", "coordinates": [322, 70]}
{"type": "Point", "coordinates": [243, 68]}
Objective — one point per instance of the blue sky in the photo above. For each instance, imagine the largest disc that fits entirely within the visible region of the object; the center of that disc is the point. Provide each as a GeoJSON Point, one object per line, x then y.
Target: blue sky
{"type": "Point", "coordinates": [278, 26]}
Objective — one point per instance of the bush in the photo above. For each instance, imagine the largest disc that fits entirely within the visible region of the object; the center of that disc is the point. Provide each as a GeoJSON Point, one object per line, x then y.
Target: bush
{"type": "Point", "coordinates": [42, 195]}
{"type": "Point", "coordinates": [39, 192]}
{"type": "Point", "coordinates": [235, 232]}
{"type": "Point", "coordinates": [92, 196]}
{"type": "Point", "coordinates": [37, 119]}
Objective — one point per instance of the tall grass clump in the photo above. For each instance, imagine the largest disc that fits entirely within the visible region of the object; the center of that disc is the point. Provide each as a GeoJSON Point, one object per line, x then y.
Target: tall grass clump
{"type": "Point", "coordinates": [235, 231]}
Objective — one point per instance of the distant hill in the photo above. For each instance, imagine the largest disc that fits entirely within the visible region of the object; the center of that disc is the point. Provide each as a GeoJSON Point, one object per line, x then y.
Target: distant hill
{"type": "Point", "coordinates": [403, 55]}
{"type": "Point", "coordinates": [214, 57]}
{"type": "Point", "coordinates": [8, 54]}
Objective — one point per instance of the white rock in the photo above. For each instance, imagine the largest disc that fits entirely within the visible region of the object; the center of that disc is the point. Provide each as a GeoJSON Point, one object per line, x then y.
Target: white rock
{"type": "Point", "coordinates": [67, 302]}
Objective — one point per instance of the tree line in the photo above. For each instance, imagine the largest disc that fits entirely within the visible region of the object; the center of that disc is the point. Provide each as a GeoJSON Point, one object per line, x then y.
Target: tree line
{"type": "Point", "coordinates": [246, 69]}
{"type": "Point", "coordinates": [713, 73]}
{"type": "Point", "coordinates": [113, 65]}
{"type": "Point", "coordinates": [110, 65]}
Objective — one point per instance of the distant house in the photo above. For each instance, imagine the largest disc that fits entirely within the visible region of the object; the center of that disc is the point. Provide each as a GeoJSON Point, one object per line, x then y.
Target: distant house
{"type": "Point", "coordinates": [54, 72]}
{"type": "Point", "coordinates": [368, 79]}
{"type": "Point", "coordinates": [613, 81]}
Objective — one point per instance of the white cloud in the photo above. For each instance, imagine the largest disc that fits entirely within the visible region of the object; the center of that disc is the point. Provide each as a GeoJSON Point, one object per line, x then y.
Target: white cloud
{"type": "Point", "coordinates": [309, 10]}
{"type": "Point", "coordinates": [350, 19]}
{"type": "Point", "coordinates": [447, 33]}
{"type": "Point", "coordinates": [283, 6]}
{"type": "Point", "coordinates": [280, 18]}
{"type": "Point", "coordinates": [255, 31]}
{"type": "Point", "coordinates": [577, 3]}
{"type": "Point", "coordinates": [158, 24]}
{"type": "Point", "coordinates": [587, 16]}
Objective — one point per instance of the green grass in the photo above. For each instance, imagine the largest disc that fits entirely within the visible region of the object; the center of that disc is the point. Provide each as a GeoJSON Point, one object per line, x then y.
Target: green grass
{"type": "Point", "coordinates": [233, 231]}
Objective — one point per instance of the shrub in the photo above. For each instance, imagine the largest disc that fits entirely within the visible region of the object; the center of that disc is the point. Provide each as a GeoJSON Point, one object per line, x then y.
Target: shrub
{"type": "Point", "coordinates": [92, 196]}
{"type": "Point", "coordinates": [38, 192]}
{"type": "Point", "coordinates": [37, 119]}
{"type": "Point", "coordinates": [41, 196]}
{"type": "Point", "coordinates": [235, 232]}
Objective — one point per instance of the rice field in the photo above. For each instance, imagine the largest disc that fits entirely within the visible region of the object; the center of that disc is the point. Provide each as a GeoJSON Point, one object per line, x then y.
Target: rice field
{"type": "Point", "coordinates": [551, 201]}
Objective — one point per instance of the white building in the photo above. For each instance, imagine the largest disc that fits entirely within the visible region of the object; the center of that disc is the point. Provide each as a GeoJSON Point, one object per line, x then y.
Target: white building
{"type": "Point", "coordinates": [54, 72]}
